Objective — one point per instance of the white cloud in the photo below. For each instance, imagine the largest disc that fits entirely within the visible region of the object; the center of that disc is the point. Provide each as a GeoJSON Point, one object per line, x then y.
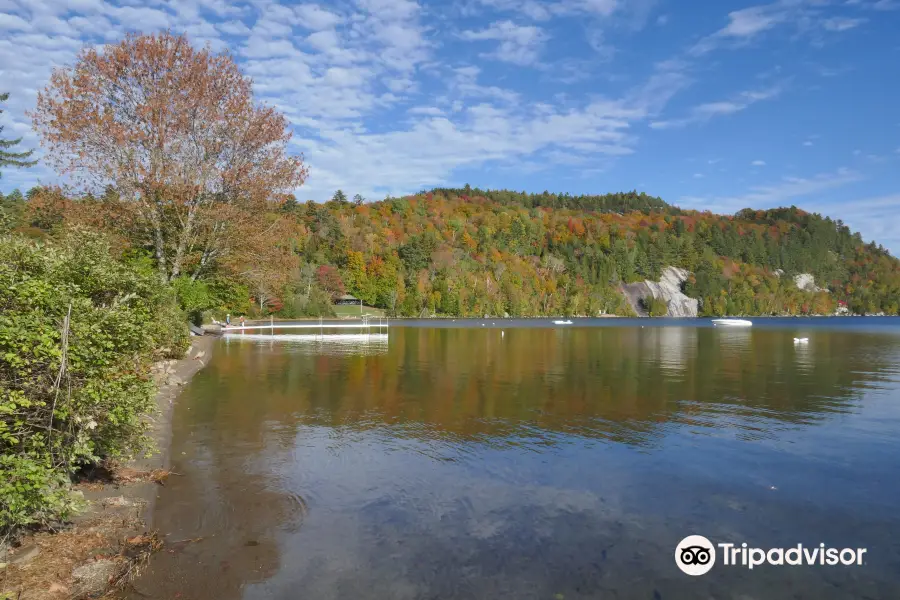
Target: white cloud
{"type": "Point", "coordinates": [746, 24]}
{"type": "Point", "coordinates": [542, 10]}
{"type": "Point", "coordinates": [841, 23]}
{"type": "Point", "coordinates": [758, 163]}
{"type": "Point", "coordinates": [341, 77]}
{"type": "Point", "coordinates": [149, 18]}
{"type": "Point", "coordinates": [263, 47]}
{"type": "Point", "coordinates": [237, 28]}
{"type": "Point", "coordinates": [465, 83]}
{"type": "Point", "coordinates": [786, 191]}
{"type": "Point", "coordinates": [533, 9]}
{"type": "Point", "coordinates": [743, 25]}
{"type": "Point", "coordinates": [377, 102]}
{"type": "Point", "coordinates": [519, 44]}
{"type": "Point", "coordinates": [600, 7]}
{"type": "Point", "coordinates": [324, 41]}
{"type": "Point", "coordinates": [596, 39]}
{"type": "Point", "coordinates": [12, 22]}
{"type": "Point", "coordinates": [808, 143]}
{"type": "Point", "coordinates": [886, 5]}
{"type": "Point", "coordinates": [426, 110]}
{"type": "Point", "coordinates": [698, 175]}
{"type": "Point", "coordinates": [315, 17]}
{"type": "Point", "coordinates": [750, 21]}
{"type": "Point", "coordinates": [436, 145]}
{"type": "Point", "coordinates": [704, 112]}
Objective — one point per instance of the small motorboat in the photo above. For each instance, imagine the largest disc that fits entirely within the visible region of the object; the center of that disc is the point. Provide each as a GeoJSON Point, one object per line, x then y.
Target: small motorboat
{"type": "Point", "coordinates": [732, 322]}
{"type": "Point", "coordinates": [801, 340]}
{"type": "Point", "coordinates": [566, 322]}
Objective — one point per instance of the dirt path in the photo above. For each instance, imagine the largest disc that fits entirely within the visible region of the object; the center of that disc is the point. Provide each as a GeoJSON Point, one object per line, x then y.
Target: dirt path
{"type": "Point", "coordinates": [107, 544]}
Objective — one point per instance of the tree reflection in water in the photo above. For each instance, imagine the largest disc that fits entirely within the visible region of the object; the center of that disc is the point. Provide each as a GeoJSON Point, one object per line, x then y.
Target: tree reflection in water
{"type": "Point", "coordinates": [459, 462]}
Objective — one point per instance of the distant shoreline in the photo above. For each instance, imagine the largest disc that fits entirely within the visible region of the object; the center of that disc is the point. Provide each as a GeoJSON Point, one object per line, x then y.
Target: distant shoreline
{"type": "Point", "coordinates": [258, 322]}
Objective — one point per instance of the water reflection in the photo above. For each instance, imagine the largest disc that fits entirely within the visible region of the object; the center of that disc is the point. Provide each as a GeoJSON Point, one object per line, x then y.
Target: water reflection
{"type": "Point", "coordinates": [677, 346]}
{"type": "Point", "coordinates": [332, 343]}
{"type": "Point", "coordinates": [466, 463]}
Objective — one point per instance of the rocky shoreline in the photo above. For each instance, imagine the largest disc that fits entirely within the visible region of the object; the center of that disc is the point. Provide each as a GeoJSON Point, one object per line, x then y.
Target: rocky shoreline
{"type": "Point", "coordinates": [104, 546]}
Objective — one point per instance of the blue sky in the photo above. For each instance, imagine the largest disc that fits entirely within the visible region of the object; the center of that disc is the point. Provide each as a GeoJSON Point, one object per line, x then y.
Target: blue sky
{"type": "Point", "coordinates": [713, 105]}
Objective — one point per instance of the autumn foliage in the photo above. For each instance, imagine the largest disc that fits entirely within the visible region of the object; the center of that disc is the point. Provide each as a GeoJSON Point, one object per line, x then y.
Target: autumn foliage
{"type": "Point", "coordinates": [176, 133]}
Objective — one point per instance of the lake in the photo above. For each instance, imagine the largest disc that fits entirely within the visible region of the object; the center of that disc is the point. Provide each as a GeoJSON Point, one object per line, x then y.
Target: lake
{"type": "Point", "coordinates": [516, 459]}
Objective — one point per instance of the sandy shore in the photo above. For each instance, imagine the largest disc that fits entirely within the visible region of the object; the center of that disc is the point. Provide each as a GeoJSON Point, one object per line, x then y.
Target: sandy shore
{"type": "Point", "coordinates": [104, 546]}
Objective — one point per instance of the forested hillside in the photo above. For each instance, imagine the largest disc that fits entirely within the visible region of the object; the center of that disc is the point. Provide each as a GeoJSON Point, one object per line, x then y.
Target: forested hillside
{"type": "Point", "coordinates": [468, 252]}
{"type": "Point", "coordinates": [216, 216]}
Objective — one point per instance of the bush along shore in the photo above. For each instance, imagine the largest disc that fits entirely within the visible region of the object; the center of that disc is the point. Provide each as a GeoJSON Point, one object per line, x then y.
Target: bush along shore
{"type": "Point", "coordinates": [93, 350]}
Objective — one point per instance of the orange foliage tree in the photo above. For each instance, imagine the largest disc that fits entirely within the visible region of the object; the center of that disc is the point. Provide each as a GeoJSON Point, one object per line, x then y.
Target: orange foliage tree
{"type": "Point", "coordinates": [176, 131]}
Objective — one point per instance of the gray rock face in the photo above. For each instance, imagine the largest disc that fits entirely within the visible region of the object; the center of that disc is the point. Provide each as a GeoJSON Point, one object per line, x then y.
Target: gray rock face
{"type": "Point", "coordinates": [807, 283]}
{"type": "Point", "coordinates": [668, 288]}
{"type": "Point", "coordinates": [94, 577]}
{"type": "Point", "coordinates": [25, 555]}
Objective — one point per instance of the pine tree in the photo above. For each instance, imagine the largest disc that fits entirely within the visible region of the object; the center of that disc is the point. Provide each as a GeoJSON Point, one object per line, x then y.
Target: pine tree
{"type": "Point", "coordinates": [12, 159]}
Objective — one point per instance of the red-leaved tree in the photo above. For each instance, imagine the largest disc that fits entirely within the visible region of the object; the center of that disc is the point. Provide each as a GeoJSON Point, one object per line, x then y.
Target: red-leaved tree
{"type": "Point", "coordinates": [330, 280]}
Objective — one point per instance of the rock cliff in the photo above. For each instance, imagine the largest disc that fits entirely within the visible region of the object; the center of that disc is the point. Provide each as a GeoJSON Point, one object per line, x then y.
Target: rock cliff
{"type": "Point", "coordinates": [807, 283]}
{"type": "Point", "coordinates": [668, 288]}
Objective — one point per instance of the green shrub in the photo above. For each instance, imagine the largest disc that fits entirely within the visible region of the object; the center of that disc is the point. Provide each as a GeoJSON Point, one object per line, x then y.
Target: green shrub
{"type": "Point", "coordinates": [317, 303]}
{"type": "Point", "coordinates": [655, 307]}
{"type": "Point", "coordinates": [194, 297]}
{"type": "Point", "coordinates": [230, 295]}
{"type": "Point", "coordinates": [78, 331]}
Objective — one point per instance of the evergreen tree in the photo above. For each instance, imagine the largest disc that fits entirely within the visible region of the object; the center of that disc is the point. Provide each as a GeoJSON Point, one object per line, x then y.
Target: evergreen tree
{"type": "Point", "coordinates": [8, 158]}
{"type": "Point", "coordinates": [340, 197]}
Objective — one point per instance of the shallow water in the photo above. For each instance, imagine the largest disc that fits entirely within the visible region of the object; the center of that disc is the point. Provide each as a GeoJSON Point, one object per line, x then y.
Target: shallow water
{"type": "Point", "coordinates": [519, 460]}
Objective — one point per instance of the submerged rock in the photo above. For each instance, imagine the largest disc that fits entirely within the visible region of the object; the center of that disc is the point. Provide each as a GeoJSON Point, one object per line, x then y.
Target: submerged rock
{"type": "Point", "coordinates": [668, 288]}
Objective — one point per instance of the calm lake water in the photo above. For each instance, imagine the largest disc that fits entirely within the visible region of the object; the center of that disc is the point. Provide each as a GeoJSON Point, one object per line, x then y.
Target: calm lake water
{"type": "Point", "coordinates": [520, 460]}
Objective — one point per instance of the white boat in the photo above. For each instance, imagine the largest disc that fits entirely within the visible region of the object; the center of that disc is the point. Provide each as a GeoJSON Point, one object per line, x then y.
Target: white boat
{"type": "Point", "coordinates": [732, 322]}
{"type": "Point", "coordinates": [562, 322]}
{"type": "Point", "coordinates": [801, 340]}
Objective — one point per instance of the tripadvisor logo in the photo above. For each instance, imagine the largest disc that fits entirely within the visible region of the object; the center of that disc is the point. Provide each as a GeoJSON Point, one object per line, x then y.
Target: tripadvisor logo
{"type": "Point", "coordinates": [696, 555]}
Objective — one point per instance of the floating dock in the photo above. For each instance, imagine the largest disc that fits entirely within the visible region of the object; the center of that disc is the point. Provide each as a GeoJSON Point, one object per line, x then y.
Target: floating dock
{"type": "Point", "coordinates": [364, 324]}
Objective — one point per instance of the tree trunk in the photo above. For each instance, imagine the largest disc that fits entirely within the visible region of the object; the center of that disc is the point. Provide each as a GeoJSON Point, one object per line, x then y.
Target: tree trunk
{"type": "Point", "coordinates": [159, 244]}
{"type": "Point", "coordinates": [183, 240]}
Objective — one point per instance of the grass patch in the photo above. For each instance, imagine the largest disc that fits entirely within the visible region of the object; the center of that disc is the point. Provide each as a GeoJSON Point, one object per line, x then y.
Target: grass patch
{"type": "Point", "coordinates": [350, 310]}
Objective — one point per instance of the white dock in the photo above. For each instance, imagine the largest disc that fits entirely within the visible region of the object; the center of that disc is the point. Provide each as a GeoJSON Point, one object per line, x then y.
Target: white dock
{"type": "Point", "coordinates": [365, 324]}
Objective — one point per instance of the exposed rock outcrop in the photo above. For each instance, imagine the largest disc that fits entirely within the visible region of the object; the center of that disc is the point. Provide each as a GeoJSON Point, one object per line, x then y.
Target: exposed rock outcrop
{"type": "Point", "coordinates": [668, 288]}
{"type": "Point", "coordinates": [807, 283]}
